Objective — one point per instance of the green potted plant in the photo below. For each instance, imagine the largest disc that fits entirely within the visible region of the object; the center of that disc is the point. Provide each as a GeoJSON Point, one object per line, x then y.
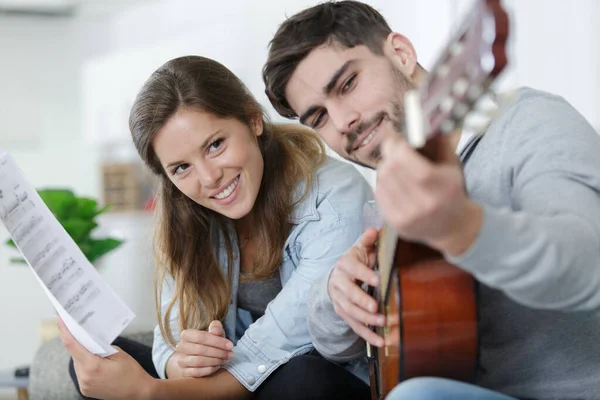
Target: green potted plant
{"type": "Point", "coordinates": [78, 216]}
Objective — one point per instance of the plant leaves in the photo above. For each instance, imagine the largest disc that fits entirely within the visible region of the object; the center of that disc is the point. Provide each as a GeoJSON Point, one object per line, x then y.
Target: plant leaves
{"type": "Point", "coordinates": [99, 247]}
{"type": "Point", "coordinates": [85, 208]}
{"type": "Point", "coordinates": [79, 229]}
{"type": "Point", "coordinates": [61, 202]}
{"type": "Point", "coordinates": [103, 210]}
{"type": "Point", "coordinates": [77, 215]}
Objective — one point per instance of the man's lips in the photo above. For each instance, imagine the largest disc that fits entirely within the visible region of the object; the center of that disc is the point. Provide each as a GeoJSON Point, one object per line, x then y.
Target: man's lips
{"type": "Point", "coordinates": [362, 137]}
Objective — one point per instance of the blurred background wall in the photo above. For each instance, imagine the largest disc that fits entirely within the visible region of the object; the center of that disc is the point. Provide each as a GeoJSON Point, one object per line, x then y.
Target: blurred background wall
{"type": "Point", "coordinates": [69, 70]}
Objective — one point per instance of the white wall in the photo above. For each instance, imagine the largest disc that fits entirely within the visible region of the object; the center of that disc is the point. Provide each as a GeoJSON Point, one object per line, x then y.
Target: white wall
{"type": "Point", "coordinates": [557, 48]}
{"type": "Point", "coordinates": [553, 47]}
{"type": "Point", "coordinates": [40, 85]}
{"type": "Point", "coordinates": [40, 75]}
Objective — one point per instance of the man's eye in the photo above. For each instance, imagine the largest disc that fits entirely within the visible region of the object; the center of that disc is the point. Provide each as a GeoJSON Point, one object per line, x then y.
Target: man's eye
{"type": "Point", "coordinates": [318, 120]}
{"type": "Point", "coordinates": [348, 84]}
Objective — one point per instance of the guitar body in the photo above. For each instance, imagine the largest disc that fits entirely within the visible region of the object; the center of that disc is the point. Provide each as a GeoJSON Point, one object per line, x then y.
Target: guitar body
{"type": "Point", "coordinates": [435, 333]}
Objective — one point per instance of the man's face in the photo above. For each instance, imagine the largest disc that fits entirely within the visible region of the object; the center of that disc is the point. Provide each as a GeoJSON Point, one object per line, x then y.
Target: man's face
{"type": "Point", "coordinates": [352, 97]}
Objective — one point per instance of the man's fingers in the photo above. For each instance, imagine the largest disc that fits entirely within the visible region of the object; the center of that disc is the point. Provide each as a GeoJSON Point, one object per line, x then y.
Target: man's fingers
{"type": "Point", "coordinates": [360, 315]}
{"type": "Point", "coordinates": [206, 338]}
{"type": "Point", "coordinates": [368, 238]}
{"type": "Point", "coordinates": [368, 335]}
{"type": "Point", "coordinates": [355, 270]}
{"type": "Point", "coordinates": [199, 372]}
{"type": "Point", "coordinates": [363, 331]}
{"type": "Point", "coordinates": [346, 290]}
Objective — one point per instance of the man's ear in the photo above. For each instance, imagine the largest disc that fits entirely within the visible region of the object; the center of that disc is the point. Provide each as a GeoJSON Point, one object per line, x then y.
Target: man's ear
{"type": "Point", "coordinates": [402, 53]}
{"type": "Point", "coordinates": [257, 125]}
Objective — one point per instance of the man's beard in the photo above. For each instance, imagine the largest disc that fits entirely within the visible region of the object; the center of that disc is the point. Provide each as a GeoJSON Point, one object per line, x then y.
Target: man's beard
{"type": "Point", "coordinates": [401, 85]}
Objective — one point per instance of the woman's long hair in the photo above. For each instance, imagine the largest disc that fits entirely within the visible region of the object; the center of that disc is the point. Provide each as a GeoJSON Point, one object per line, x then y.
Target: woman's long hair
{"type": "Point", "coordinates": [188, 235]}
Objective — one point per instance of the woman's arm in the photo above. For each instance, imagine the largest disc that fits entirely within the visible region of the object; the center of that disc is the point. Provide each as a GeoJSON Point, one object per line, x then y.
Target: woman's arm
{"type": "Point", "coordinates": [220, 385]}
{"type": "Point", "coordinates": [119, 376]}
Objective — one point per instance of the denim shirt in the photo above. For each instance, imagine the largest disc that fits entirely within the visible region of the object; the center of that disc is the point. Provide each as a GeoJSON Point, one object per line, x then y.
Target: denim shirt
{"type": "Point", "coordinates": [326, 223]}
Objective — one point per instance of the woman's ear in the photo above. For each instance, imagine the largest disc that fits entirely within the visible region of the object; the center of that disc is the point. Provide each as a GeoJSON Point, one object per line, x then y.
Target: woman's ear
{"type": "Point", "coordinates": [257, 125]}
{"type": "Point", "coordinates": [402, 53]}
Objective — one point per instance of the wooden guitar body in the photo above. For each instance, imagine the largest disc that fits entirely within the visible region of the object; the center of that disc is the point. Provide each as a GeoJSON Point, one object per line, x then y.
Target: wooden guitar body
{"type": "Point", "coordinates": [435, 333]}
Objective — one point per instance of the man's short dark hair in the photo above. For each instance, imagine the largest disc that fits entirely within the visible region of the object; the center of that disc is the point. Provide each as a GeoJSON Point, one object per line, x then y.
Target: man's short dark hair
{"type": "Point", "coordinates": [348, 23]}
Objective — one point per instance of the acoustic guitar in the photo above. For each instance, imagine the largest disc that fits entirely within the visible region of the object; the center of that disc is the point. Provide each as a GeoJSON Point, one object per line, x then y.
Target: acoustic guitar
{"type": "Point", "coordinates": [431, 305]}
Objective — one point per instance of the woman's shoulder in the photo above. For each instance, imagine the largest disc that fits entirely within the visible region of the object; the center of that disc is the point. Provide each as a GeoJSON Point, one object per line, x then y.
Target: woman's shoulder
{"type": "Point", "coordinates": [335, 172]}
{"type": "Point", "coordinates": [337, 198]}
{"type": "Point", "coordinates": [341, 186]}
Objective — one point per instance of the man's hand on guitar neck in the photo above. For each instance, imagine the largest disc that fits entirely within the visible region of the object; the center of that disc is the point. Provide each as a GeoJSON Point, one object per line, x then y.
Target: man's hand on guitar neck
{"type": "Point", "coordinates": [426, 202]}
{"type": "Point", "coordinates": [350, 302]}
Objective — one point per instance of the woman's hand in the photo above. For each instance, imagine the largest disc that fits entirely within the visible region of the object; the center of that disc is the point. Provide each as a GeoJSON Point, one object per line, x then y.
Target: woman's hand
{"type": "Point", "coordinates": [115, 377]}
{"type": "Point", "coordinates": [200, 353]}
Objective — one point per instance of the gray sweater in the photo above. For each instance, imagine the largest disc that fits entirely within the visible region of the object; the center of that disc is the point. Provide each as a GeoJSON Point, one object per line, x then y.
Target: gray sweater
{"type": "Point", "coordinates": [536, 171]}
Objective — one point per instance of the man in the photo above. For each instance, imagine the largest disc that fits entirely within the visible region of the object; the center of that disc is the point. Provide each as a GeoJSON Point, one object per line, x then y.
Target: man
{"type": "Point", "coordinates": [528, 229]}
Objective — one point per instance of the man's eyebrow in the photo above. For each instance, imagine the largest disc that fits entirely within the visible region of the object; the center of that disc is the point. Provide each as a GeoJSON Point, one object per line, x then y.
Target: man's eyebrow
{"type": "Point", "coordinates": [336, 76]}
{"type": "Point", "coordinates": [327, 89]}
{"type": "Point", "coordinates": [308, 113]}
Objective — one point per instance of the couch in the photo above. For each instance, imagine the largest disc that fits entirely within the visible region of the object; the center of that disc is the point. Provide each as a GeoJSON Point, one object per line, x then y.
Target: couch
{"type": "Point", "coordinates": [49, 374]}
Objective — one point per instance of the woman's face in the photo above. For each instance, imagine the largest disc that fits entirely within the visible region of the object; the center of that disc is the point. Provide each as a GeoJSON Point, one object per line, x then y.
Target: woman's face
{"type": "Point", "coordinates": [215, 162]}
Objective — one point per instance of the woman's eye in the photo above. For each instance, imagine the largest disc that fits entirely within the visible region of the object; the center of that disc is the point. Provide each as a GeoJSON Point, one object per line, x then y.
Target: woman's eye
{"type": "Point", "coordinates": [180, 169]}
{"type": "Point", "coordinates": [215, 145]}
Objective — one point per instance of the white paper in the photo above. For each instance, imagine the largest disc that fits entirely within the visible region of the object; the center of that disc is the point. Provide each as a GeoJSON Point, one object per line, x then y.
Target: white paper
{"type": "Point", "coordinates": [92, 311]}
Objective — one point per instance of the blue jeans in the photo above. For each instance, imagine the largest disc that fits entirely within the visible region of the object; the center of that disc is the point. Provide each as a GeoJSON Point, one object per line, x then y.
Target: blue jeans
{"type": "Point", "coordinates": [441, 389]}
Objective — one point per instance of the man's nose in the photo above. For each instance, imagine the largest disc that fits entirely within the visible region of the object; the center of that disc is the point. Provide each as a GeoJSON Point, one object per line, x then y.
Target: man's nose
{"type": "Point", "coordinates": [344, 119]}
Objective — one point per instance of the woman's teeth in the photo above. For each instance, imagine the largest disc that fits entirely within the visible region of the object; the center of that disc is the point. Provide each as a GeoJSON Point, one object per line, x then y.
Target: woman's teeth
{"type": "Point", "coordinates": [368, 138]}
{"type": "Point", "coordinates": [225, 193]}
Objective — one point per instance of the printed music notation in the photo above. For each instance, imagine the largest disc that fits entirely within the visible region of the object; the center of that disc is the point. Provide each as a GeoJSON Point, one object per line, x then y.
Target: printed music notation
{"type": "Point", "coordinates": [69, 272]}
{"type": "Point", "coordinates": [92, 311]}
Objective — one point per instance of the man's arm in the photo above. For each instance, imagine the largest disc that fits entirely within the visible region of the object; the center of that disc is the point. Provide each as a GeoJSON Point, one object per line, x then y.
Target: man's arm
{"type": "Point", "coordinates": [339, 310]}
{"type": "Point", "coordinates": [332, 336]}
{"type": "Point", "coordinates": [545, 252]}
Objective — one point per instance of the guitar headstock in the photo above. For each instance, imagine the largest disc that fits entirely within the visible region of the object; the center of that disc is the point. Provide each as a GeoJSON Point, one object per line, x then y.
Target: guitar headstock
{"type": "Point", "coordinates": [464, 71]}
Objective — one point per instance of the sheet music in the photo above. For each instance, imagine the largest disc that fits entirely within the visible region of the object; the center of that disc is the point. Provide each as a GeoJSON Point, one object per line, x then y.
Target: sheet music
{"type": "Point", "coordinates": [91, 310]}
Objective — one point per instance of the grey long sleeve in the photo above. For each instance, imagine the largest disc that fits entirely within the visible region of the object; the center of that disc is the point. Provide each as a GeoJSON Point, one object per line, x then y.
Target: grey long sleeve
{"type": "Point", "coordinates": [331, 336]}
{"type": "Point", "coordinates": [540, 240]}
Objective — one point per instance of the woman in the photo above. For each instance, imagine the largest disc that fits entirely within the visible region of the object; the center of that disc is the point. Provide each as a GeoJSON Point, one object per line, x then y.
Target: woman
{"type": "Point", "coordinates": [250, 215]}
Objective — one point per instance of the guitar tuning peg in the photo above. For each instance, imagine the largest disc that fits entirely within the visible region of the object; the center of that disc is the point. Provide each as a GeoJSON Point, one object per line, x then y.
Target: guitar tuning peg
{"type": "Point", "coordinates": [447, 126]}
{"type": "Point", "coordinates": [478, 127]}
{"type": "Point", "coordinates": [505, 99]}
{"type": "Point", "coordinates": [474, 93]}
{"type": "Point", "coordinates": [486, 105]}
{"type": "Point", "coordinates": [493, 103]}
